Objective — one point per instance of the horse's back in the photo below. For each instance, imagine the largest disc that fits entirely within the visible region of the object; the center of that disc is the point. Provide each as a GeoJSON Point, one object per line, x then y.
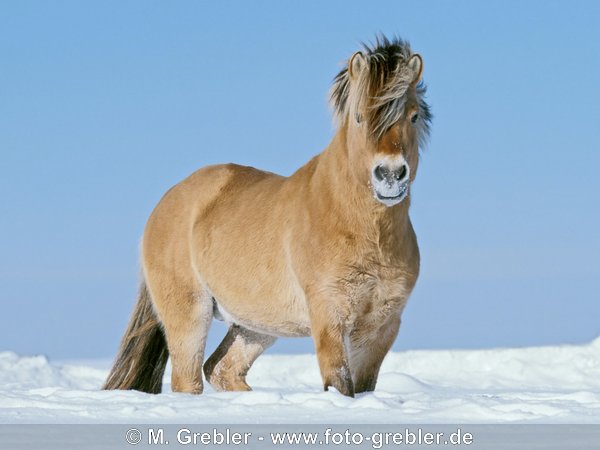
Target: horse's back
{"type": "Point", "coordinates": [201, 197]}
{"type": "Point", "coordinates": [216, 181]}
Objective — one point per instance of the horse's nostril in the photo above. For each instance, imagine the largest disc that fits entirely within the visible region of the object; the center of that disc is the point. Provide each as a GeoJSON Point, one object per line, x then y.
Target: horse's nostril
{"type": "Point", "coordinates": [383, 173]}
{"type": "Point", "coordinates": [400, 173]}
{"type": "Point", "coordinates": [380, 173]}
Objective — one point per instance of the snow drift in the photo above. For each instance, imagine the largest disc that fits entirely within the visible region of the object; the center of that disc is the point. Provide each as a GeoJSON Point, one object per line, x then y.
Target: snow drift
{"type": "Point", "coordinates": [529, 385]}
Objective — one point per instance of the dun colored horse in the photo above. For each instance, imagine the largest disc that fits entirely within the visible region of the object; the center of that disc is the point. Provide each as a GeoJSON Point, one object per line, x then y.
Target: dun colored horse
{"type": "Point", "coordinates": [327, 252]}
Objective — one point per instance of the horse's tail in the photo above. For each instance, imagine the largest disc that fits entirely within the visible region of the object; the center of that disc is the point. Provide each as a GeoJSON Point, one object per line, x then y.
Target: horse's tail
{"type": "Point", "coordinates": [143, 354]}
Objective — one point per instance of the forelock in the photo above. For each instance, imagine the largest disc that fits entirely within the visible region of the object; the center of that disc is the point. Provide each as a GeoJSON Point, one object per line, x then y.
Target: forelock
{"type": "Point", "coordinates": [378, 93]}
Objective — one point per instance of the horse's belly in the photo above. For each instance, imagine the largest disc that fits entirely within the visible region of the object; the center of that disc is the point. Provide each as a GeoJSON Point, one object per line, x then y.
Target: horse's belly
{"type": "Point", "coordinates": [275, 320]}
{"type": "Point", "coordinates": [258, 295]}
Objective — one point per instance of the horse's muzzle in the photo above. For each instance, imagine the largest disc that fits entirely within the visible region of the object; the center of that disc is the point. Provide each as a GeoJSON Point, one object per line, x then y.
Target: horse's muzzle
{"type": "Point", "coordinates": [390, 184]}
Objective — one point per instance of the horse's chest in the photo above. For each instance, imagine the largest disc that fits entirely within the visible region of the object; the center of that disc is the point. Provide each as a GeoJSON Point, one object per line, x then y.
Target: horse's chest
{"type": "Point", "coordinates": [378, 294]}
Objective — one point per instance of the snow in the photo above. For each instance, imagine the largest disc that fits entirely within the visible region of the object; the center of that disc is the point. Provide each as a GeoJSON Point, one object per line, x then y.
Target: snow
{"type": "Point", "coordinates": [559, 384]}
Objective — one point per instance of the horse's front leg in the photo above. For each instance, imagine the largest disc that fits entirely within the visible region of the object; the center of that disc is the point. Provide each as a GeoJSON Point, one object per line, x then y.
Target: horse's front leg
{"type": "Point", "coordinates": [328, 336]}
{"type": "Point", "coordinates": [368, 348]}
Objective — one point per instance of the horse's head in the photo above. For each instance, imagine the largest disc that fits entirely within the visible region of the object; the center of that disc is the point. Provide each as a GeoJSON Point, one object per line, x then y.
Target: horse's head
{"type": "Point", "coordinates": [378, 100]}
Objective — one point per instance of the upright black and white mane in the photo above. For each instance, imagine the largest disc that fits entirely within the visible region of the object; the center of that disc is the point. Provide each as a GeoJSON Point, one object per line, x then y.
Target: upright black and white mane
{"type": "Point", "coordinates": [376, 92]}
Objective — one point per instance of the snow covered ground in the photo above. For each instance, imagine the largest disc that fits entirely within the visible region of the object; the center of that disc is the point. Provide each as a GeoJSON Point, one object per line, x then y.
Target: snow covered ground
{"type": "Point", "coordinates": [532, 385]}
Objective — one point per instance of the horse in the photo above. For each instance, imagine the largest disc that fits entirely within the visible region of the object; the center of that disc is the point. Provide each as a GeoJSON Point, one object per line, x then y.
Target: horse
{"type": "Point", "coordinates": [328, 252]}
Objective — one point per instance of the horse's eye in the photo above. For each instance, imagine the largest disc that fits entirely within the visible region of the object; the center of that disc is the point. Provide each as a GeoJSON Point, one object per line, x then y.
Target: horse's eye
{"type": "Point", "coordinates": [414, 118]}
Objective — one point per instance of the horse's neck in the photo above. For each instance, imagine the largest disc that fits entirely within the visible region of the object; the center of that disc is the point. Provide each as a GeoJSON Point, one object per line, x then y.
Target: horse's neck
{"type": "Point", "coordinates": [335, 190]}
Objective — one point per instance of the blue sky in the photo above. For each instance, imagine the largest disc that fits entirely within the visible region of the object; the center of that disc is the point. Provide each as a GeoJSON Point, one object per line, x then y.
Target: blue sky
{"type": "Point", "coordinates": [105, 105]}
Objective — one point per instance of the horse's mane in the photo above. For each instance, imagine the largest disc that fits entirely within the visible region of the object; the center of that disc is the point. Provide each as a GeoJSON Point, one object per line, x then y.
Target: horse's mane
{"type": "Point", "coordinates": [377, 94]}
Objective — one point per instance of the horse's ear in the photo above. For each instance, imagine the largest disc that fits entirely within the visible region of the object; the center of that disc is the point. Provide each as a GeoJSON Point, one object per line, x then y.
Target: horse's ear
{"type": "Point", "coordinates": [415, 63]}
{"type": "Point", "coordinates": [355, 64]}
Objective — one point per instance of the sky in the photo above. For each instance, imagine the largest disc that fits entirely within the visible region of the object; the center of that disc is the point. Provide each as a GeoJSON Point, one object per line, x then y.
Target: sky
{"type": "Point", "coordinates": [105, 105]}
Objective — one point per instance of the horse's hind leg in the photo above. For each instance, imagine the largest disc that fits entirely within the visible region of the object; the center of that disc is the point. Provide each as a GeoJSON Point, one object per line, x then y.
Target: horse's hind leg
{"type": "Point", "coordinates": [185, 311]}
{"type": "Point", "coordinates": [227, 367]}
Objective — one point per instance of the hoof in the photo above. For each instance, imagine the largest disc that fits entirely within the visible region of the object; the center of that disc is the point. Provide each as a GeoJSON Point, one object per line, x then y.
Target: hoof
{"type": "Point", "coordinates": [366, 385]}
{"type": "Point", "coordinates": [340, 380]}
